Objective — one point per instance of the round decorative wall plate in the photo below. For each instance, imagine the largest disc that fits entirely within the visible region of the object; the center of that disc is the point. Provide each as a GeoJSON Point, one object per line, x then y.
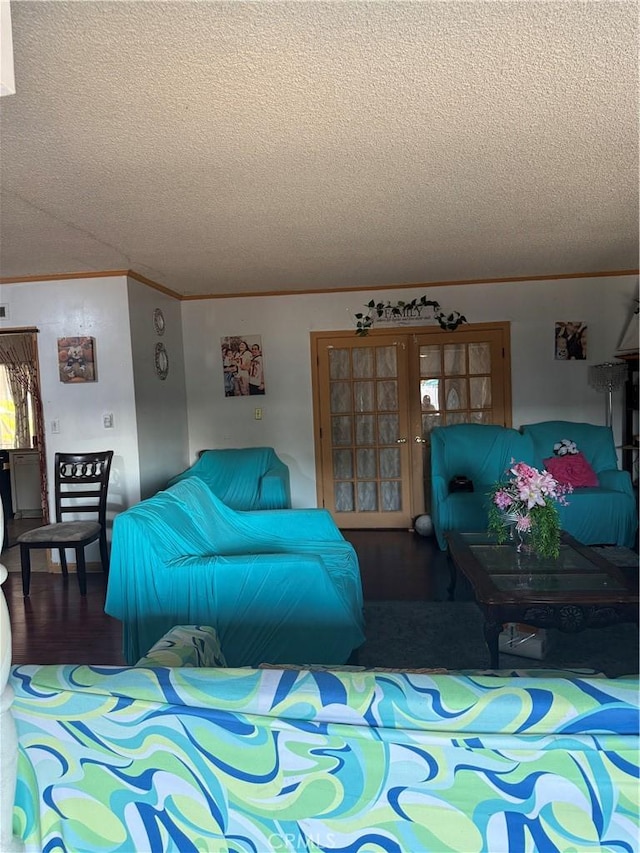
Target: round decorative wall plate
{"type": "Point", "coordinates": [158, 321]}
{"type": "Point", "coordinates": [161, 360]}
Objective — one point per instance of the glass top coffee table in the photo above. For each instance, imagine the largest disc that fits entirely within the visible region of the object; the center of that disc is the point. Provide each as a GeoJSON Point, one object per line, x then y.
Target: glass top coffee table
{"type": "Point", "coordinates": [577, 590]}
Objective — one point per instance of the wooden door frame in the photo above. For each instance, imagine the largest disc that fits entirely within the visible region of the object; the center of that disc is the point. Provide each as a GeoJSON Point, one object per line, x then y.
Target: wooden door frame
{"type": "Point", "coordinates": [504, 327]}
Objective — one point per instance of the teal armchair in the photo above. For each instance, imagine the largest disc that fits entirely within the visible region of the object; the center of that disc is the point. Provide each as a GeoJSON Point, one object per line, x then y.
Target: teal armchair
{"type": "Point", "coordinates": [245, 478]}
{"type": "Point", "coordinates": [480, 452]}
{"type": "Point", "coordinates": [605, 514]}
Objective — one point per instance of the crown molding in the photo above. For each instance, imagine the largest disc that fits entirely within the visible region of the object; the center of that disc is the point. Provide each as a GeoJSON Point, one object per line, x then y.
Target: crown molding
{"type": "Point", "coordinates": [93, 274]}
{"type": "Point", "coordinates": [252, 294]}
{"type": "Point", "coordinates": [407, 285]}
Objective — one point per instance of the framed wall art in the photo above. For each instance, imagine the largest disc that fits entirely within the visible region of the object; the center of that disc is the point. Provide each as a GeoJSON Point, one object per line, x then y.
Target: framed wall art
{"type": "Point", "coordinates": [161, 361]}
{"type": "Point", "coordinates": [242, 365]}
{"type": "Point", "coordinates": [159, 324]}
{"type": "Point", "coordinates": [571, 341]}
{"type": "Point", "coordinates": [77, 359]}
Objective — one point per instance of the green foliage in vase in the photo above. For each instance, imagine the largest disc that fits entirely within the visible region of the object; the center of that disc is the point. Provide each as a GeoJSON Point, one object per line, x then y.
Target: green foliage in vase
{"type": "Point", "coordinates": [543, 535]}
{"type": "Point", "coordinates": [528, 500]}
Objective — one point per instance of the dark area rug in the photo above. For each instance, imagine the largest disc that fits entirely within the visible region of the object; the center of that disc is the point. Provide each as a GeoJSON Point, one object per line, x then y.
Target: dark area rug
{"type": "Point", "coordinates": [412, 635]}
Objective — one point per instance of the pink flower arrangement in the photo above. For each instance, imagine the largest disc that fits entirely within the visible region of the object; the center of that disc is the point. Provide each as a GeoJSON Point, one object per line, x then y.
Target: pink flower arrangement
{"type": "Point", "coordinates": [527, 500]}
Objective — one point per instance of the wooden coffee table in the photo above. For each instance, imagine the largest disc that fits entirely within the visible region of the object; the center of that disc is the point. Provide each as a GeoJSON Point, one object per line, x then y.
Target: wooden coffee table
{"type": "Point", "coordinates": [577, 590]}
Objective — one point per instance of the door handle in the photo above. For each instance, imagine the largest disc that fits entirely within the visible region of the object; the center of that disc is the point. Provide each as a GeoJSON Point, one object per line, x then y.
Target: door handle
{"type": "Point", "coordinates": [419, 440]}
{"type": "Point", "coordinates": [401, 440]}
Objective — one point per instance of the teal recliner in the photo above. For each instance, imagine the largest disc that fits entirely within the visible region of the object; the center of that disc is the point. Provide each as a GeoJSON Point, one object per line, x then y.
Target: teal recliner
{"type": "Point", "coordinates": [245, 478]}
{"type": "Point", "coordinates": [605, 514]}
{"type": "Point", "coordinates": [480, 452]}
{"type": "Point", "coordinates": [278, 586]}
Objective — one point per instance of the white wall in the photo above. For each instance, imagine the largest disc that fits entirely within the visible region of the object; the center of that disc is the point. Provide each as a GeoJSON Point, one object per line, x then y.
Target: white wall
{"type": "Point", "coordinates": [161, 405]}
{"type": "Point", "coordinates": [116, 314]}
{"type": "Point", "coordinates": [542, 388]}
{"type": "Point", "coordinates": [85, 306]}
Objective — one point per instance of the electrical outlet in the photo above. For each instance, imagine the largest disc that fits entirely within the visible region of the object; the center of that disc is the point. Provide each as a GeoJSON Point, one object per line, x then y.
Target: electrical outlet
{"type": "Point", "coordinates": [107, 420]}
{"type": "Point", "coordinates": [258, 414]}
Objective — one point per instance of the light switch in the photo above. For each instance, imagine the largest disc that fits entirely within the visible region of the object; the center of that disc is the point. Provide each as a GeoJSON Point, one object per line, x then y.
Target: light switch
{"type": "Point", "coordinates": [55, 425]}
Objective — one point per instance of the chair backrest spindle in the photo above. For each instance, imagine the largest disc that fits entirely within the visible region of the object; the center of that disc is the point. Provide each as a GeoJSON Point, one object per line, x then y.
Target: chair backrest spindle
{"type": "Point", "coordinates": [81, 482]}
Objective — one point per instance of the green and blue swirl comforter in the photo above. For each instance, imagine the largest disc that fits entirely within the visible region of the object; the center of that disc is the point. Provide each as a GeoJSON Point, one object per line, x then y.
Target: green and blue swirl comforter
{"type": "Point", "coordinates": [243, 760]}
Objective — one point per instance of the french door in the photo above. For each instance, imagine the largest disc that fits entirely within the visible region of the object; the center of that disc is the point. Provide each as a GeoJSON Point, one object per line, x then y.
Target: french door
{"type": "Point", "coordinates": [376, 400]}
{"type": "Point", "coordinates": [362, 428]}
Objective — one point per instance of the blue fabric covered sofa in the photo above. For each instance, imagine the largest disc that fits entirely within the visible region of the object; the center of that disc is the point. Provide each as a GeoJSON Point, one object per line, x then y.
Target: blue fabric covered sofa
{"type": "Point", "coordinates": [244, 478]}
{"type": "Point", "coordinates": [605, 514]}
{"type": "Point", "coordinates": [181, 753]}
{"type": "Point", "coordinates": [277, 585]}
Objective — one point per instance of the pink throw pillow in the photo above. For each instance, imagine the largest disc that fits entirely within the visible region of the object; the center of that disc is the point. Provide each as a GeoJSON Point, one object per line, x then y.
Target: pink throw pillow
{"type": "Point", "coordinates": [571, 470]}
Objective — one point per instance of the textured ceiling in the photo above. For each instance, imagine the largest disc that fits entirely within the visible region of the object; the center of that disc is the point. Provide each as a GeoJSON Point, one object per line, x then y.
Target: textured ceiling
{"type": "Point", "coordinates": [243, 147]}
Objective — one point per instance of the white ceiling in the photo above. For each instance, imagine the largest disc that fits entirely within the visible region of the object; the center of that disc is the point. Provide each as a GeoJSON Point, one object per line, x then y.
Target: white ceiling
{"type": "Point", "coordinates": [225, 147]}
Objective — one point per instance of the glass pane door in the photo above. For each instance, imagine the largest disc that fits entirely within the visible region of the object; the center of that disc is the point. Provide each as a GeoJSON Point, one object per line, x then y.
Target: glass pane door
{"type": "Point", "coordinates": [457, 377]}
{"type": "Point", "coordinates": [376, 401]}
{"type": "Point", "coordinates": [364, 432]}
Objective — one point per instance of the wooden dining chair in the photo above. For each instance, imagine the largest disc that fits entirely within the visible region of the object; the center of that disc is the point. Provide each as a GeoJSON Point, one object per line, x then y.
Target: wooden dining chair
{"type": "Point", "coordinates": [81, 483]}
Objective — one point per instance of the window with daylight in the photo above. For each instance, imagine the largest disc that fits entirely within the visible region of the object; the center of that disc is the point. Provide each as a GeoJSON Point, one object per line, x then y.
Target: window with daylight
{"type": "Point", "coordinates": [7, 412]}
{"type": "Point", "coordinates": [9, 433]}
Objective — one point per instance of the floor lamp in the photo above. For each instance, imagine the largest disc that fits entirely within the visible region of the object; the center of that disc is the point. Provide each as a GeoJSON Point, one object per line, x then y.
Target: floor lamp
{"type": "Point", "coordinates": [608, 377]}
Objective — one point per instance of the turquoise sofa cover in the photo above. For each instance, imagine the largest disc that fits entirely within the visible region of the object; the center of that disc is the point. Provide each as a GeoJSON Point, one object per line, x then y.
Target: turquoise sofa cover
{"type": "Point", "coordinates": [481, 452]}
{"type": "Point", "coordinates": [244, 478]}
{"type": "Point", "coordinates": [279, 586]}
{"type": "Point", "coordinates": [120, 760]}
{"type": "Point", "coordinates": [602, 515]}
{"type": "Point", "coordinates": [606, 514]}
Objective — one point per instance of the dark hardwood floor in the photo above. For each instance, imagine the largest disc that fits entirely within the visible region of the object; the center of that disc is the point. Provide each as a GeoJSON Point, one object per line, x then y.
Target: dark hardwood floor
{"type": "Point", "coordinates": [58, 625]}
{"type": "Point", "coordinates": [55, 624]}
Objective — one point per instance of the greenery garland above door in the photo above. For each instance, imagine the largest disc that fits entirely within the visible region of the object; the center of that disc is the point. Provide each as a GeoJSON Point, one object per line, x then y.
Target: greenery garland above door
{"type": "Point", "coordinates": [406, 310]}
